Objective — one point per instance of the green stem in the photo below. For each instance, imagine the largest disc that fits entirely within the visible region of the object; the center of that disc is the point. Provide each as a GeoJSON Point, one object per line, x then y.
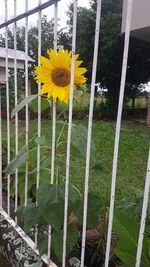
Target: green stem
{"type": "Point", "coordinates": [57, 175]}
{"type": "Point", "coordinates": [60, 133]}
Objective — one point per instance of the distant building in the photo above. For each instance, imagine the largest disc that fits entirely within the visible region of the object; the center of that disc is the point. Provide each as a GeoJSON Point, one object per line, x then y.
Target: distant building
{"type": "Point", "coordinates": [140, 27]}
{"type": "Point", "coordinates": [20, 56]}
{"type": "Point", "coordinates": [140, 23]}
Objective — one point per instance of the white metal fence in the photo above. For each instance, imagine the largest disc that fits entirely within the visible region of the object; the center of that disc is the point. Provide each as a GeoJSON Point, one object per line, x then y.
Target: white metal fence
{"type": "Point", "coordinates": [6, 213]}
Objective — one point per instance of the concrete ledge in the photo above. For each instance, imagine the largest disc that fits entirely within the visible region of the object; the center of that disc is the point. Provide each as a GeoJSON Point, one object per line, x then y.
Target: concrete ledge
{"type": "Point", "coordinates": [14, 248]}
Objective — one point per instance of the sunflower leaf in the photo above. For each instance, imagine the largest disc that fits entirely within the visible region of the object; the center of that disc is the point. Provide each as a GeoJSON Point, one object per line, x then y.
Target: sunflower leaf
{"type": "Point", "coordinates": [50, 199]}
{"type": "Point", "coordinates": [45, 104]}
{"type": "Point", "coordinates": [127, 231]}
{"type": "Point", "coordinates": [57, 240]}
{"type": "Point", "coordinates": [17, 161]}
{"type": "Point", "coordinates": [79, 141]}
{"type": "Point", "coordinates": [22, 104]}
{"type": "Point", "coordinates": [77, 93]}
{"type": "Point", "coordinates": [42, 243]}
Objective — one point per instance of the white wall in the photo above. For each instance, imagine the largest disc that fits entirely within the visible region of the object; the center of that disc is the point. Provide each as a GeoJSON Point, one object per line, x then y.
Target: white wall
{"type": "Point", "coordinates": [140, 14]}
{"type": "Point", "coordinates": [140, 24]}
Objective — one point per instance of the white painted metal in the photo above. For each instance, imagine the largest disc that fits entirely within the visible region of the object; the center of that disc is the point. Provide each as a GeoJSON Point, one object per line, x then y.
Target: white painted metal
{"type": "Point", "coordinates": [69, 132]}
{"type": "Point", "coordinates": [53, 102]}
{"type": "Point", "coordinates": [144, 214]}
{"type": "Point", "coordinates": [96, 45]}
{"type": "Point", "coordinates": [1, 193]}
{"type": "Point", "coordinates": [55, 25]}
{"type": "Point", "coordinates": [26, 238]}
{"type": "Point", "coordinates": [33, 245]}
{"type": "Point", "coordinates": [7, 103]}
{"type": "Point", "coordinates": [39, 99]}
{"type": "Point", "coordinates": [39, 112]}
{"type": "Point", "coordinates": [53, 126]}
{"type": "Point", "coordinates": [26, 94]}
{"type": "Point", "coordinates": [28, 13]}
{"type": "Point", "coordinates": [118, 126]}
{"type": "Point", "coordinates": [16, 115]}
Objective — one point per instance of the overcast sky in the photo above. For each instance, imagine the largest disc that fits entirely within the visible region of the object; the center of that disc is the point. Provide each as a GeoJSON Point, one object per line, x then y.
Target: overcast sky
{"type": "Point", "coordinates": [62, 8]}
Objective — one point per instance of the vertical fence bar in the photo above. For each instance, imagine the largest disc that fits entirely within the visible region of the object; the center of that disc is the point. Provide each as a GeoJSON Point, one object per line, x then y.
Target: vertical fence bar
{"type": "Point", "coordinates": [55, 25]}
{"type": "Point", "coordinates": [96, 45]}
{"type": "Point", "coordinates": [1, 193]}
{"type": "Point", "coordinates": [26, 94]}
{"type": "Point", "coordinates": [144, 213]}
{"type": "Point", "coordinates": [53, 102]}
{"type": "Point", "coordinates": [53, 124]}
{"type": "Point", "coordinates": [39, 100]}
{"type": "Point", "coordinates": [7, 104]}
{"type": "Point", "coordinates": [16, 115]}
{"type": "Point", "coordinates": [39, 112]}
{"type": "Point", "coordinates": [69, 132]}
{"type": "Point", "coordinates": [118, 126]}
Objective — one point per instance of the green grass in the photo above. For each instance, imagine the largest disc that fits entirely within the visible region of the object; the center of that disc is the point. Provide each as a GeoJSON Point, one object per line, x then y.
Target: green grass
{"type": "Point", "coordinates": [133, 154]}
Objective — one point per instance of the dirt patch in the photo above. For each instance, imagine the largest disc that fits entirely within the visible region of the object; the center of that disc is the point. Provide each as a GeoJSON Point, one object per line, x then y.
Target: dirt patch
{"type": "Point", "coordinates": [4, 262]}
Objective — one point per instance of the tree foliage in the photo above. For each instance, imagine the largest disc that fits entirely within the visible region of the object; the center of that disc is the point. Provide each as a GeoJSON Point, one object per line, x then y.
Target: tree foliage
{"type": "Point", "coordinates": [111, 44]}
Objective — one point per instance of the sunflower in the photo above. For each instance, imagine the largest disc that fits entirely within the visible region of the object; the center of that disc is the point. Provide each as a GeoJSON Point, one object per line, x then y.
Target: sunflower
{"type": "Point", "coordinates": [55, 73]}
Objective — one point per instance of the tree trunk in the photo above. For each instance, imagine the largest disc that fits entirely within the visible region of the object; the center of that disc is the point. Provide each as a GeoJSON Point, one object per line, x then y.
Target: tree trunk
{"type": "Point", "coordinates": [133, 103]}
{"type": "Point", "coordinates": [148, 113]}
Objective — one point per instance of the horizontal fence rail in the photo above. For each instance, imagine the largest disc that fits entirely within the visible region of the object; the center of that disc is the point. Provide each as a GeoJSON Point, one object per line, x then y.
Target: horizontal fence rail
{"type": "Point", "coordinates": [6, 211]}
{"type": "Point", "coordinates": [28, 13]}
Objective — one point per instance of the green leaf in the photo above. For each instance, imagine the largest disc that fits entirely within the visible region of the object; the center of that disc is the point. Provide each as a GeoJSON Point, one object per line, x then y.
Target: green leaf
{"type": "Point", "coordinates": [126, 257]}
{"type": "Point", "coordinates": [22, 104]}
{"type": "Point", "coordinates": [45, 175]}
{"type": "Point", "coordinates": [19, 211]}
{"type": "Point", "coordinates": [127, 231]}
{"type": "Point", "coordinates": [57, 240]}
{"type": "Point", "coordinates": [45, 104]}
{"type": "Point", "coordinates": [17, 161]}
{"type": "Point", "coordinates": [57, 243]}
{"type": "Point", "coordinates": [41, 140]}
{"type": "Point", "coordinates": [50, 199]}
{"type": "Point", "coordinates": [81, 87]}
{"type": "Point", "coordinates": [33, 156]}
{"type": "Point", "coordinates": [77, 93]}
{"type": "Point", "coordinates": [73, 196]}
{"type": "Point", "coordinates": [127, 227]}
{"type": "Point", "coordinates": [42, 243]}
{"type": "Point", "coordinates": [72, 237]}
{"type": "Point", "coordinates": [21, 186]}
{"type": "Point", "coordinates": [31, 216]}
{"type": "Point", "coordinates": [45, 162]}
{"type": "Point", "coordinates": [148, 246]}
{"type": "Point", "coordinates": [79, 141]}
{"type": "Point", "coordinates": [94, 205]}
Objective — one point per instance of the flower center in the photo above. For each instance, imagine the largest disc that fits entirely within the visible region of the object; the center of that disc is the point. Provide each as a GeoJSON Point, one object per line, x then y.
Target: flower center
{"type": "Point", "coordinates": [61, 77]}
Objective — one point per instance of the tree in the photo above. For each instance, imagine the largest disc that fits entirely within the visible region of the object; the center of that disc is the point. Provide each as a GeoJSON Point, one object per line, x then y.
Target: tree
{"type": "Point", "coordinates": [111, 46]}
{"type": "Point", "coordinates": [85, 35]}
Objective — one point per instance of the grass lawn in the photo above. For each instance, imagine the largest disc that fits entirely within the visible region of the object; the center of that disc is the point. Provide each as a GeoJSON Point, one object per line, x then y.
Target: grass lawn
{"type": "Point", "coordinates": [133, 154]}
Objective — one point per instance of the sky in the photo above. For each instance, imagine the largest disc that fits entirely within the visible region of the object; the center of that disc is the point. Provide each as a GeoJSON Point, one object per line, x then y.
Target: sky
{"type": "Point", "coordinates": [62, 8]}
